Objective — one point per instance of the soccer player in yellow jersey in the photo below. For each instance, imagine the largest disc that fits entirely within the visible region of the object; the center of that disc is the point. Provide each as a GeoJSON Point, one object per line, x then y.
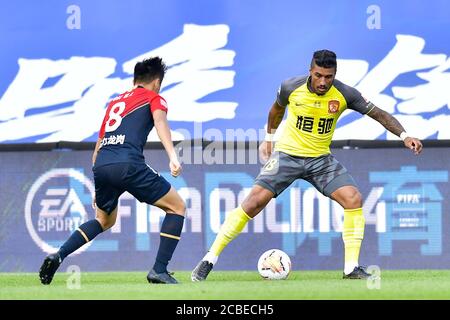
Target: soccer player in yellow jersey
{"type": "Point", "coordinates": [314, 104]}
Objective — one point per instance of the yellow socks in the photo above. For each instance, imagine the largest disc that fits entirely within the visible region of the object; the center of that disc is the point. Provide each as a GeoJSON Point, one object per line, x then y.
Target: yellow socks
{"type": "Point", "coordinates": [352, 234]}
{"type": "Point", "coordinates": [233, 225]}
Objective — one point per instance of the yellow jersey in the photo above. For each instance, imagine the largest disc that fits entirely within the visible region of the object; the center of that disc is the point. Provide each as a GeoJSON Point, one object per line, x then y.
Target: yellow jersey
{"type": "Point", "coordinates": [312, 118]}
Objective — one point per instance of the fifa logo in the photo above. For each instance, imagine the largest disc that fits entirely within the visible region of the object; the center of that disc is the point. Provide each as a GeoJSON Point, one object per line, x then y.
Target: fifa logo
{"type": "Point", "coordinates": [58, 202]}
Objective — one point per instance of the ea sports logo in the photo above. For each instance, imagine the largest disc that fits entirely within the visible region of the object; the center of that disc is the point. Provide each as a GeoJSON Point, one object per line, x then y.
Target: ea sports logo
{"type": "Point", "coordinates": [58, 202]}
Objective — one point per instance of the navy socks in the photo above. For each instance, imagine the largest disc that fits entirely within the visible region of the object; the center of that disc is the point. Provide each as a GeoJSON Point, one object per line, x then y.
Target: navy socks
{"type": "Point", "coordinates": [85, 233]}
{"type": "Point", "coordinates": [169, 237]}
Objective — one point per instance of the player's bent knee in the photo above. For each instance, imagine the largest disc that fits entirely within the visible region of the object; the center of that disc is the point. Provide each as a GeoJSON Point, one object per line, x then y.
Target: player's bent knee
{"type": "Point", "coordinates": [353, 200]}
{"type": "Point", "coordinates": [106, 220]}
{"type": "Point", "coordinates": [348, 197]}
{"type": "Point", "coordinates": [178, 207]}
{"type": "Point", "coordinates": [106, 224]}
{"type": "Point", "coordinates": [181, 208]}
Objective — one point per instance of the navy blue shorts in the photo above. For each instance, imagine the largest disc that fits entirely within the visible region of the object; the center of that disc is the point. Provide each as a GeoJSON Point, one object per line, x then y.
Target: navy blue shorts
{"type": "Point", "coordinates": [140, 180]}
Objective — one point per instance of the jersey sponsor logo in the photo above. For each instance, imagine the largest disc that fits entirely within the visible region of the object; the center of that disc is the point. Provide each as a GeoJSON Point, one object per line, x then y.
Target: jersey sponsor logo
{"type": "Point", "coordinates": [333, 106]}
{"type": "Point", "coordinates": [113, 140]}
{"type": "Point", "coordinates": [325, 125]}
{"type": "Point", "coordinates": [305, 123]}
{"type": "Point", "coordinates": [58, 202]}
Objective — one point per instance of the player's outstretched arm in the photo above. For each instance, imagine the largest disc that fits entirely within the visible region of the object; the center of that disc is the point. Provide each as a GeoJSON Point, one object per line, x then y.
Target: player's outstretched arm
{"type": "Point", "coordinates": [163, 130]}
{"type": "Point", "coordinates": [391, 123]}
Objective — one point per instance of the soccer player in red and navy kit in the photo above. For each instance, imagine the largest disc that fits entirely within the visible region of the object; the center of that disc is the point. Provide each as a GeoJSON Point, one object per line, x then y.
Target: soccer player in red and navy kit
{"type": "Point", "coordinates": [119, 166]}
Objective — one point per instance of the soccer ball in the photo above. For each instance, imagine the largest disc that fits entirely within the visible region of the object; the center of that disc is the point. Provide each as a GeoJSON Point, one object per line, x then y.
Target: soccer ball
{"type": "Point", "coordinates": [274, 264]}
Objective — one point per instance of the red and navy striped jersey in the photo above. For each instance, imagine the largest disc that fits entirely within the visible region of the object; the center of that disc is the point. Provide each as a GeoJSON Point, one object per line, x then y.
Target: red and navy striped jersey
{"type": "Point", "coordinates": [126, 125]}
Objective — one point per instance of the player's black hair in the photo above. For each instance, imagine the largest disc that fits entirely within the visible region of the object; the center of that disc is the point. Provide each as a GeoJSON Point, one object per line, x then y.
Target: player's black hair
{"type": "Point", "coordinates": [324, 59]}
{"type": "Point", "coordinates": [149, 70]}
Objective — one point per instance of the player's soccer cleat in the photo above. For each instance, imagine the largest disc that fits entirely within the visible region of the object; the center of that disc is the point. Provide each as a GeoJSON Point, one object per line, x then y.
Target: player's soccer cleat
{"type": "Point", "coordinates": [165, 277]}
{"type": "Point", "coordinates": [49, 267]}
{"type": "Point", "coordinates": [357, 273]}
{"type": "Point", "coordinates": [201, 271]}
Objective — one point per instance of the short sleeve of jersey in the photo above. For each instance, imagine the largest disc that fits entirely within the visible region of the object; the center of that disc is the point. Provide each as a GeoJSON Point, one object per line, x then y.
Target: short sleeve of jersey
{"type": "Point", "coordinates": [287, 87]}
{"type": "Point", "coordinates": [158, 102]}
{"type": "Point", "coordinates": [282, 96]}
{"type": "Point", "coordinates": [355, 100]}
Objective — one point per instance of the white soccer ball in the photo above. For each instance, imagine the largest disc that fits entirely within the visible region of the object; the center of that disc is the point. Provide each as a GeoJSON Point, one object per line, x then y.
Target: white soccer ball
{"type": "Point", "coordinates": [274, 264]}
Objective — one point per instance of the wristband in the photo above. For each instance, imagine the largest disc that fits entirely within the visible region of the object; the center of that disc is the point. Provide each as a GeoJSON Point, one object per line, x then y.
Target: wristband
{"type": "Point", "coordinates": [404, 135]}
{"type": "Point", "coordinates": [269, 137]}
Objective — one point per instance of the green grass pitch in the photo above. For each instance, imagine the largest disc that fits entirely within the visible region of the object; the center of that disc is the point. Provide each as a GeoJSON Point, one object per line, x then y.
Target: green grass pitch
{"type": "Point", "coordinates": [231, 285]}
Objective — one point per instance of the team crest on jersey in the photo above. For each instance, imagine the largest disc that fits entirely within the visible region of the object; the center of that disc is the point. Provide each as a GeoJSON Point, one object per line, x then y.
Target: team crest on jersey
{"type": "Point", "coordinates": [333, 106]}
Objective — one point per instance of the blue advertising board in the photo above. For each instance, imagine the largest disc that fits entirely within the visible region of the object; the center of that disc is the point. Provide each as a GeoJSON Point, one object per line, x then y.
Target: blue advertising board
{"type": "Point", "coordinates": [45, 195]}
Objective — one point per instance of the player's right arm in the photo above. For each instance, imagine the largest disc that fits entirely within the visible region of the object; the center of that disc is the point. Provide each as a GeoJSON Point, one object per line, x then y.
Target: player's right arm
{"type": "Point", "coordinates": [97, 146]}
{"type": "Point", "coordinates": [276, 115]}
{"type": "Point", "coordinates": [101, 135]}
{"type": "Point", "coordinates": [393, 125]}
{"type": "Point", "coordinates": [94, 157]}
{"type": "Point", "coordinates": [358, 103]}
{"type": "Point", "coordinates": [163, 130]}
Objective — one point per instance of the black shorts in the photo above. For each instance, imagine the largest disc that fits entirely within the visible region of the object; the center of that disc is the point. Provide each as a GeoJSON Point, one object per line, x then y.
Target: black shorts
{"type": "Point", "coordinates": [139, 179]}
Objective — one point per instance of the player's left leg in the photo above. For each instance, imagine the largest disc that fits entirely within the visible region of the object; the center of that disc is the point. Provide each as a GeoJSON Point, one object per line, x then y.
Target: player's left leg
{"type": "Point", "coordinates": [146, 185]}
{"type": "Point", "coordinates": [233, 225]}
{"type": "Point", "coordinates": [332, 179]}
{"type": "Point", "coordinates": [88, 231]}
{"type": "Point", "coordinates": [107, 196]}
{"type": "Point", "coordinates": [350, 199]}
{"type": "Point", "coordinates": [170, 235]}
{"type": "Point", "coordinates": [276, 175]}
{"type": "Point", "coordinates": [82, 235]}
